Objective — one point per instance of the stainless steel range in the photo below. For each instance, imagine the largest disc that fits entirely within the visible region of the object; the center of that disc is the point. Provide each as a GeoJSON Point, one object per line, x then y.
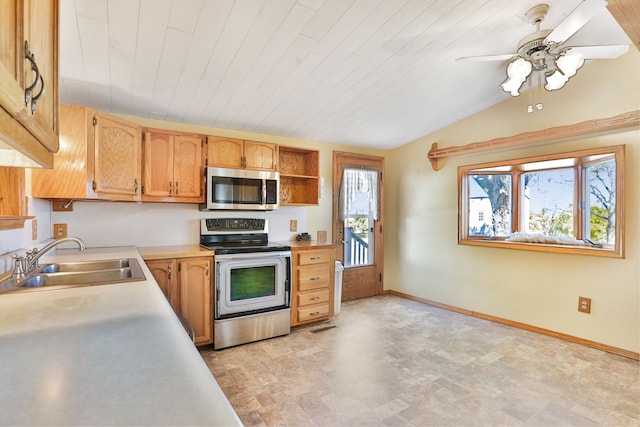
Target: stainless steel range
{"type": "Point", "coordinates": [252, 281]}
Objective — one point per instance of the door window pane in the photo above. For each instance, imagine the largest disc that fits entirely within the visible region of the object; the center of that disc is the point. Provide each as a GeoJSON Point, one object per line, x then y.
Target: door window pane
{"type": "Point", "coordinates": [358, 232]}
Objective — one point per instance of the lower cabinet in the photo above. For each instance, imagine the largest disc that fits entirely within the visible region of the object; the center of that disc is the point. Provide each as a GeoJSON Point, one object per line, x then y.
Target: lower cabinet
{"type": "Point", "coordinates": [187, 284]}
{"type": "Point", "coordinates": [312, 290]}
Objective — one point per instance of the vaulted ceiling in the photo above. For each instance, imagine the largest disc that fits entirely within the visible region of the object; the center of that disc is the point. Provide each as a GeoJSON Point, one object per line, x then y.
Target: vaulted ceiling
{"type": "Point", "coordinates": [374, 73]}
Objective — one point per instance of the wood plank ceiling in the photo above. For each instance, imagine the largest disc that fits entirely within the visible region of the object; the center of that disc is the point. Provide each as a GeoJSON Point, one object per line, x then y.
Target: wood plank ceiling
{"type": "Point", "coordinates": [375, 73]}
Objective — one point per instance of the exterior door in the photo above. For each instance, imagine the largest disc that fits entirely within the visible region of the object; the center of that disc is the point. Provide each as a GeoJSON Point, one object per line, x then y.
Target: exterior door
{"type": "Point", "coordinates": [357, 230]}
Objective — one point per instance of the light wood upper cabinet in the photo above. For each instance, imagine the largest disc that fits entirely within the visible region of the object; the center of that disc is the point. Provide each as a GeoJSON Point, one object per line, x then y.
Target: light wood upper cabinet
{"type": "Point", "coordinates": [173, 167]}
{"type": "Point", "coordinates": [99, 158]}
{"type": "Point", "coordinates": [299, 176]}
{"type": "Point", "coordinates": [29, 77]}
{"type": "Point", "coordinates": [117, 156]}
{"type": "Point", "coordinates": [241, 154]}
{"type": "Point", "coordinates": [260, 155]}
{"type": "Point", "coordinates": [13, 204]}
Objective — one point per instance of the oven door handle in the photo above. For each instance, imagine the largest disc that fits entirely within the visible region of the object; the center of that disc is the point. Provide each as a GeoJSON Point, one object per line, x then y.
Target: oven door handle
{"type": "Point", "coordinates": [277, 254]}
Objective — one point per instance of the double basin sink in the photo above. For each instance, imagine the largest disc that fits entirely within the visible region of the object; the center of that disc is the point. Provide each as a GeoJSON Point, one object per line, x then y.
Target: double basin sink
{"type": "Point", "coordinates": [75, 274]}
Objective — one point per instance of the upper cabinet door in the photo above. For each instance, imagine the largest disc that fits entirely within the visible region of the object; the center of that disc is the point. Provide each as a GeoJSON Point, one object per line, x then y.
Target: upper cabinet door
{"type": "Point", "coordinates": [158, 165]}
{"type": "Point", "coordinates": [225, 152]}
{"type": "Point", "coordinates": [188, 171]}
{"type": "Point", "coordinates": [117, 156]}
{"type": "Point", "coordinates": [260, 155]}
{"type": "Point", "coordinates": [173, 167]}
{"type": "Point", "coordinates": [29, 77]}
{"type": "Point", "coordinates": [241, 154]}
{"type": "Point", "coordinates": [41, 28]}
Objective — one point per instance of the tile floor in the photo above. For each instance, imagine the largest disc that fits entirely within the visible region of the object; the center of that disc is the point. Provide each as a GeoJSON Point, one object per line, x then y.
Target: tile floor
{"type": "Point", "coordinates": [391, 361]}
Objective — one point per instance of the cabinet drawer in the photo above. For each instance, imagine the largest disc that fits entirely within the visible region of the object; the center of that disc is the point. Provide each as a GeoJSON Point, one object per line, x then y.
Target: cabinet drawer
{"type": "Point", "coordinates": [315, 312]}
{"type": "Point", "coordinates": [314, 277]}
{"type": "Point", "coordinates": [314, 257]}
{"type": "Point", "coordinates": [313, 297]}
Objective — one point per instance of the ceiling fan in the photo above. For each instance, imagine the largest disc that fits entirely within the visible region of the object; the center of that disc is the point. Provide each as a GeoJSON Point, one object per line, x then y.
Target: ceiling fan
{"type": "Point", "coordinates": [545, 52]}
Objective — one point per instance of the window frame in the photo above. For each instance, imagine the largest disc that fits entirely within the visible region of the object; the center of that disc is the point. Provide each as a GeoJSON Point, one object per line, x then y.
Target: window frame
{"type": "Point", "coordinates": [515, 168]}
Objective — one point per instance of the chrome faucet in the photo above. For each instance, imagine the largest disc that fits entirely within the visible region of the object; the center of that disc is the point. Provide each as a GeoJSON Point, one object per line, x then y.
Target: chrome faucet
{"type": "Point", "coordinates": [22, 265]}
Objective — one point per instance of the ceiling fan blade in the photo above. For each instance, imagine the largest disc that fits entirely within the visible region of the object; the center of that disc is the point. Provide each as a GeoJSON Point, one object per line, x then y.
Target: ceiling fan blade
{"type": "Point", "coordinates": [501, 57]}
{"type": "Point", "coordinates": [601, 52]}
{"type": "Point", "coordinates": [575, 20]}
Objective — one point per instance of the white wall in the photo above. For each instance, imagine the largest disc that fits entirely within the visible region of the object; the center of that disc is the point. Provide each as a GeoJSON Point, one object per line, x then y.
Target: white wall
{"type": "Point", "coordinates": [422, 257]}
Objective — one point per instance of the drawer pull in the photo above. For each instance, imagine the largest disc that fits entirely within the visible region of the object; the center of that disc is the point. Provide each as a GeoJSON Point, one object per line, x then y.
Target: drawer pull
{"type": "Point", "coordinates": [314, 278]}
{"type": "Point", "coordinates": [314, 258]}
{"type": "Point", "coordinates": [314, 298]}
{"type": "Point", "coordinates": [315, 313]}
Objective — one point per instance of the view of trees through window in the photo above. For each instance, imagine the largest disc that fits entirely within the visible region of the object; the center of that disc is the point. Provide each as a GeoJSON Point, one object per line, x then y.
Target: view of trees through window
{"type": "Point", "coordinates": [548, 201]}
{"type": "Point", "coordinates": [546, 196]}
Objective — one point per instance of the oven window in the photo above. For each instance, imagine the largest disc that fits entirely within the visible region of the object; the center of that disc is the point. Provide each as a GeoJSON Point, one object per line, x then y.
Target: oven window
{"type": "Point", "coordinates": [253, 282]}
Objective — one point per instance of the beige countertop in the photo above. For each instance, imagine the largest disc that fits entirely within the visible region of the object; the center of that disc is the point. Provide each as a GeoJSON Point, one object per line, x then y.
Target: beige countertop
{"type": "Point", "coordinates": [173, 251]}
{"type": "Point", "coordinates": [112, 354]}
{"type": "Point", "coordinates": [309, 244]}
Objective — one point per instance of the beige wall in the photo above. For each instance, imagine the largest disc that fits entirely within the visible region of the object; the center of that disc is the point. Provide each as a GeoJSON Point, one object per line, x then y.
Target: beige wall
{"type": "Point", "coordinates": [422, 257]}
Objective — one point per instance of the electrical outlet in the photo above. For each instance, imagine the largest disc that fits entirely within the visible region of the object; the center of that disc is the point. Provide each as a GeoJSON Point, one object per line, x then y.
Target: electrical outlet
{"type": "Point", "coordinates": [62, 206]}
{"type": "Point", "coordinates": [59, 231]}
{"type": "Point", "coordinates": [584, 304]}
{"type": "Point", "coordinates": [34, 229]}
{"type": "Point", "coordinates": [293, 225]}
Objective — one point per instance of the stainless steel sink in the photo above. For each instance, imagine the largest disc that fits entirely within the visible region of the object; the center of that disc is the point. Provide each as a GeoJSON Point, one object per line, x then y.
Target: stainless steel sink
{"type": "Point", "coordinates": [108, 264]}
{"type": "Point", "coordinates": [76, 274]}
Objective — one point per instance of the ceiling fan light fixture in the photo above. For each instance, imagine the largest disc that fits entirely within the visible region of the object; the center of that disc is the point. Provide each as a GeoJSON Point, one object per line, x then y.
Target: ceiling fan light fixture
{"type": "Point", "coordinates": [570, 62]}
{"type": "Point", "coordinates": [518, 71]}
{"type": "Point", "coordinates": [555, 80]}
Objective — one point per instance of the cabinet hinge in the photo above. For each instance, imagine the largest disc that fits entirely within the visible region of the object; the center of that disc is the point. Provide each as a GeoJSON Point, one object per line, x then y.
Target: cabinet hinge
{"type": "Point", "coordinates": [95, 120]}
{"type": "Point", "coordinates": [381, 277]}
{"type": "Point", "coordinates": [179, 267]}
{"type": "Point", "coordinates": [94, 185]}
{"type": "Point", "coordinates": [142, 189]}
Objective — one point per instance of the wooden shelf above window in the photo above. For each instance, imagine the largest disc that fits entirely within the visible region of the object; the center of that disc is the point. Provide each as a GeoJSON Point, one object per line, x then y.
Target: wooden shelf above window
{"type": "Point", "coordinates": [632, 118]}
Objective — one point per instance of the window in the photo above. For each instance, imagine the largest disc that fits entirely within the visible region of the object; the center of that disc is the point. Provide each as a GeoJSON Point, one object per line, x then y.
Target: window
{"type": "Point", "coordinates": [570, 202]}
{"type": "Point", "coordinates": [359, 203]}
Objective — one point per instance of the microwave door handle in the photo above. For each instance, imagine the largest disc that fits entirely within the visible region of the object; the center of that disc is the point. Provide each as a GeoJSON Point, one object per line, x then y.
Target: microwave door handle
{"type": "Point", "coordinates": [264, 192]}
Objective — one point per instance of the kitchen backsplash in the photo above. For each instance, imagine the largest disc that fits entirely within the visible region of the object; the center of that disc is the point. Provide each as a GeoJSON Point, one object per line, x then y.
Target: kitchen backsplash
{"type": "Point", "coordinates": [154, 224]}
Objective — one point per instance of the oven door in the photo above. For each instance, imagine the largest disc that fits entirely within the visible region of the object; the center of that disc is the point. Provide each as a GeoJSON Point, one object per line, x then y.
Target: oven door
{"type": "Point", "coordinates": [251, 283]}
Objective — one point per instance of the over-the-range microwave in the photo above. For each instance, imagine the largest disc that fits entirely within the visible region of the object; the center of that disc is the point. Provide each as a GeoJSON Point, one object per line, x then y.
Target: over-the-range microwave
{"type": "Point", "coordinates": [241, 189]}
